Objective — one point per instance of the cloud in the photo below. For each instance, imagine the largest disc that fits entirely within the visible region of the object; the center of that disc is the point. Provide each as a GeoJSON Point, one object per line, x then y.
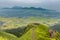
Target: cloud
{"type": "Point", "coordinates": [51, 4]}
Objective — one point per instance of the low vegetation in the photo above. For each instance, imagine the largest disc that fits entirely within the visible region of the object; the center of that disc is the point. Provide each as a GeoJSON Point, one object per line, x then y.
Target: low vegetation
{"type": "Point", "coordinates": [27, 29]}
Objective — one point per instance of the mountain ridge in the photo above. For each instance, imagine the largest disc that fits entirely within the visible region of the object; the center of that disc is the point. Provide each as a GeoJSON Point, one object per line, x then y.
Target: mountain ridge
{"type": "Point", "coordinates": [18, 7]}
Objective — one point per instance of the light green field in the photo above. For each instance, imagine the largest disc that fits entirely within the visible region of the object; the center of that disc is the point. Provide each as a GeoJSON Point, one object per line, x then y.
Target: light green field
{"type": "Point", "coordinates": [14, 22]}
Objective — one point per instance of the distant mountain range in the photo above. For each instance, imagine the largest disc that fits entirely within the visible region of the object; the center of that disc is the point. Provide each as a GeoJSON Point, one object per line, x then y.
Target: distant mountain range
{"type": "Point", "coordinates": [17, 7]}
{"type": "Point", "coordinates": [28, 11]}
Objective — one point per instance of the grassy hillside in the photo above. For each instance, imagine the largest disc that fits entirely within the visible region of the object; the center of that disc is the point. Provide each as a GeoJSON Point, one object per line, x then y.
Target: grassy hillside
{"type": "Point", "coordinates": [33, 31]}
{"type": "Point", "coordinates": [7, 36]}
{"type": "Point", "coordinates": [38, 32]}
{"type": "Point", "coordinates": [30, 28]}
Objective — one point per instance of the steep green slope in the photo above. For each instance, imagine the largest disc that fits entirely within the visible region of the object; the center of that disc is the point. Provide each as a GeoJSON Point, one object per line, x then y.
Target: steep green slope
{"type": "Point", "coordinates": [7, 36]}
{"type": "Point", "coordinates": [38, 32]}
{"type": "Point", "coordinates": [33, 31]}
{"type": "Point", "coordinates": [56, 27]}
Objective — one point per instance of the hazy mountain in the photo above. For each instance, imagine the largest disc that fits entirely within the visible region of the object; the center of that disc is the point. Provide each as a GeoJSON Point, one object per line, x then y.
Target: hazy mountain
{"type": "Point", "coordinates": [17, 11]}
{"type": "Point", "coordinates": [18, 7]}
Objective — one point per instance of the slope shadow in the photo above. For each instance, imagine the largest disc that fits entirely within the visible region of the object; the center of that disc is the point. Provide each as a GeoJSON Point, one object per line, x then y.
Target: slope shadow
{"type": "Point", "coordinates": [18, 31]}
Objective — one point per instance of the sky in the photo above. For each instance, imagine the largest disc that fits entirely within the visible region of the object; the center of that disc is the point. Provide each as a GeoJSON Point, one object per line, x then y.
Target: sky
{"type": "Point", "coordinates": [49, 4]}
